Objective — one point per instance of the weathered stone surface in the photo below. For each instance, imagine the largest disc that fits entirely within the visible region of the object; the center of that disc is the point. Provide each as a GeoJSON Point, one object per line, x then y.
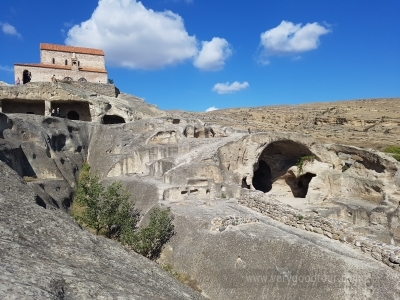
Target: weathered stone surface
{"type": "Point", "coordinates": [46, 255]}
{"type": "Point", "coordinates": [71, 96]}
{"type": "Point", "coordinates": [367, 123]}
{"type": "Point", "coordinates": [268, 260]}
{"type": "Point", "coordinates": [342, 202]}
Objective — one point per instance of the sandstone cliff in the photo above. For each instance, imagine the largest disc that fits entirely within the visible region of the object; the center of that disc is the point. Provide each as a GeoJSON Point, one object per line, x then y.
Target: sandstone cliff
{"type": "Point", "coordinates": [369, 123]}
{"type": "Point", "coordinates": [251, 222]}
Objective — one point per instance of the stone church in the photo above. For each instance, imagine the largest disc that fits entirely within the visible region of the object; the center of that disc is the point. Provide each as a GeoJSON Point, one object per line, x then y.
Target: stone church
{"type": "Point", "coordinates": [64, 63]}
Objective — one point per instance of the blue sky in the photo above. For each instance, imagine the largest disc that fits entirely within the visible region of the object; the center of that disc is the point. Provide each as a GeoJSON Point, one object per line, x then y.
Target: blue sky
{"type": "Point", "coordinates": [200, 54]}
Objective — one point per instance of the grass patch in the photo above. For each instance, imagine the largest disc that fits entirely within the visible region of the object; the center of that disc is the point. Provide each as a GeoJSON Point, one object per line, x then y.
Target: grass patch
{"type": "Point", "coordinates": [184, 278]}
{"type": "Point", "coordinates": [29, 178]}
{"type": "Point", "coordinates": [396, 156]}
{"type": "Point", "coordinates": [394, 151]}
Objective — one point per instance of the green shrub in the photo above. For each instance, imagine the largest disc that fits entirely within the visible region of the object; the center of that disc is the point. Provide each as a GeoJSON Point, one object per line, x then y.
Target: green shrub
{"type": "Point", "coordinates": [302, 160]}
{"type": "Point", "coordinates": [150, 239]}
{"type": "Point", "coordinates": [106, 210]}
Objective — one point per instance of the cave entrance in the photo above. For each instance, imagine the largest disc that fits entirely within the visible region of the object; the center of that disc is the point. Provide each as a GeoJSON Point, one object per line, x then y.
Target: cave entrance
{"type": "Point", "coordinates": [35, 107]}
{"type": "Point", "coordinates": [73, 110]}
{"type": "Point", "coordinates": [72, 115]}
{"type": "Point", "coordinates": [26, 76]}
{"type": "Point", "coordinates": [262, 179]}
{"type": "Point", "coordinates": [113, 119]}
{"type": "Point", "coordinates": [299, 186]}
{"type": "Point", "coordinates": [271, 170]}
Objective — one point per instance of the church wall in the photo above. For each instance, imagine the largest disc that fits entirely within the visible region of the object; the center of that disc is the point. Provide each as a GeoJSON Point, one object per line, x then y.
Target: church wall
{"type": "Point", "coordinates": [40, 74]}
{"type": "Point", "coordinates": [85, 60]}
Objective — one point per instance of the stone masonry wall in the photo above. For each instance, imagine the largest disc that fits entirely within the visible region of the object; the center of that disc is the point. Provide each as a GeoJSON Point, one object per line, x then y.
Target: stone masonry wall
{"type": "Point", "coordinates": [44, 74]}
{"type": "Point", "coordinates": [99, 88]}
{"type": "Point", "coordinates": [333, 229]}
{"type": "Point", "coordinates": [85, 60]}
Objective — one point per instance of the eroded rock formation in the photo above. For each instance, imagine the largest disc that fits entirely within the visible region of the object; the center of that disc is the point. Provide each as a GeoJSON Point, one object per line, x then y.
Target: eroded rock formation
{"type": "Point", "coordinates": [251, 221]}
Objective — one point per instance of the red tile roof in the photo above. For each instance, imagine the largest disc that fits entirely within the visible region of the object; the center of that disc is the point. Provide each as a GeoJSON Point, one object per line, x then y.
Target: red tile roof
{"type": "Point", "coordinates": [62, 67]}
{"type": "Point", "coordinates": [63, 48]}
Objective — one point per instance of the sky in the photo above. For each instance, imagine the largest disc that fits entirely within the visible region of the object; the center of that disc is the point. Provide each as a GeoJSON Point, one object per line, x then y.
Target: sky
{"type": "Point", "coordinates": [202, 55]}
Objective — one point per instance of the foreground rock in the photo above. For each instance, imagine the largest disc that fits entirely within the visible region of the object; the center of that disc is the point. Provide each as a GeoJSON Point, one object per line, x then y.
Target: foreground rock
{"type": "Point", "coordinates": [255, 257]}
{"type": "Point", "coordinates": [46, 255]}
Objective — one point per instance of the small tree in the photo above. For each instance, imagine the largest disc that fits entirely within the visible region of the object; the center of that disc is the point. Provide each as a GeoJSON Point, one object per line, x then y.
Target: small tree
{"type": "Point", "coordinates": [116, 214]}
{"type": "Point", "coordinates": [86, 207]}
{"type": "Point", "coordinates": [107, 210]}
{"type": "Point", "coordinates": [150, 239]}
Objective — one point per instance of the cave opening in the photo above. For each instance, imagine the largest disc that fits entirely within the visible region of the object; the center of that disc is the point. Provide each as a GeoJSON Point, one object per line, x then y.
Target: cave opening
{"type": "Point", "coordinates": [299, 186]}
{"type": "Point", "coordinates": [262, 179]}
{"type": "Point", "coordinates": [113, 119]}
{"type": "Point", "coordinates": [72, 115]}
{"type": "Point", "coordinates": [271, 170]}
{"type": "Point", "coordinates": [73, 110]}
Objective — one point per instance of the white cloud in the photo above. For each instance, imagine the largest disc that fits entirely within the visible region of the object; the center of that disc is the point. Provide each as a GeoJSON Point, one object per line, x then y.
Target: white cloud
{"type": "Point", "coordinates": [213, 55]}
{"type": "Point", "coordinates": [289, 38]}
{"type": "Point", "coordinates": [226, 88]}
{"type": "Point", "coordinates": [9, 29]}
{"type": "Point", "coordinates": [6, 69]}
{"type": "Point", "coordinates": [212, 108]}
{"type": "Point", "coordinates": [135, 37]}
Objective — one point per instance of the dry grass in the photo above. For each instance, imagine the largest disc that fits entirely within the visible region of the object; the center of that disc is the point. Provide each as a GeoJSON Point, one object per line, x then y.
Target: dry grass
{"type": "Point", "coordinates": [29, 178]}
{"type": "Point", "coordinates": [184, 278]}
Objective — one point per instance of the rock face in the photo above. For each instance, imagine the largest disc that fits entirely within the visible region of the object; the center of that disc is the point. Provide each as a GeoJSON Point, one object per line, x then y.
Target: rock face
{"type": "Point", "coordinates": [369, 123]}
{"type": "Point", "coordinates": [247, 206]}
{"type": "Point", "coordinates": [75, 103]}
{"type": "Point", "coordinates": [264, 259]}
{"type": "Point", "coordinates": [46, 255]}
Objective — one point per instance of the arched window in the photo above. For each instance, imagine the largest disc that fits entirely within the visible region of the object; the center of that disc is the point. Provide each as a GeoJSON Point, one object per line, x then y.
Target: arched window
{"type": "Point", "coordinates": [79, 63]}
{"type": "Point", "coordinates": [53, 60]}
{"type": "Point", "coordinates": [73, 115]}
{"type": "Point", "coordinates": [66, 62]}
{"type": "Point", "coordinates": [26, 76]}
{"type": "Point", "coordinates": [67, 79]}
{"type": "Point", "coordinates": [82, 79]}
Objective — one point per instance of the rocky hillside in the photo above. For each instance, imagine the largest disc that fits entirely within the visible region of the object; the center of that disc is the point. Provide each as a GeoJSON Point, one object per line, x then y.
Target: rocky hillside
{"type": "Point", "coordinates": [265, 214]}
{"type": "Point", "coordinates": [371, 123]}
